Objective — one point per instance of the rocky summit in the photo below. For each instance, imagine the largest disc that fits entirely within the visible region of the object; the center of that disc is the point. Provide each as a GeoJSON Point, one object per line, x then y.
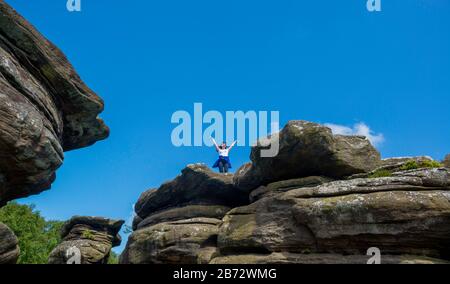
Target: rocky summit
{"type": "Point", "coordinates": [91, 238]}
{"type": "Point", "coordinates": [45, 109]}
{"type": "Point", "coordinates": [324, 199]}
{"type": "Point", "coordinates": [308, 149]}
{"type": "Point", "coordinates": [9, 248]}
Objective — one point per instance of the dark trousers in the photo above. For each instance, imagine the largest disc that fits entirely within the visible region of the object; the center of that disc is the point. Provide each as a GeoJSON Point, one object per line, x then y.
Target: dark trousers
{"type": "Point", "coordinates": [223, 166]}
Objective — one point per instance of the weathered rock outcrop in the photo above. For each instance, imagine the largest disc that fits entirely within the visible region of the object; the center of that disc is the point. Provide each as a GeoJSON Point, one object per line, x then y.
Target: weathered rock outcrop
{"type": "Point", "coordinates": [396, 164]}
{"type": "Point", "coordinates": [9, 248]}
{"type": "Point", "coordinates": [187, 241]}
{"type": "Point", "coordinates": [391, 165]}
{"type": "Point", "coordinates": [324, 199]}
{"type": "Point", "coordinates": [308, 149]}
{"type": "Point", "coordinates": [179, 222]}
{"type": "Point", "coordinates": [45, 109]}
{"type": "Point", "coordinates": [406, 214]}
{"type": "Point", "coordinates": [197, 185]}
{"type": "Point", "coordinates": [92, 237]}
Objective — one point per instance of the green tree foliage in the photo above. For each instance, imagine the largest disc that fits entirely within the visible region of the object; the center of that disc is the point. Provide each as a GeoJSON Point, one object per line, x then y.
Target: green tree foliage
{"type": "Point", "coordinates": [37, 237]}
{"type": "Point", "coordinates": [113, 258]}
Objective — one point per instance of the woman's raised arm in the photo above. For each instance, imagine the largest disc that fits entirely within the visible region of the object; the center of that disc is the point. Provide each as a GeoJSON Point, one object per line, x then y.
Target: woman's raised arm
{"type": "Point", "coordinates": [215, 144]}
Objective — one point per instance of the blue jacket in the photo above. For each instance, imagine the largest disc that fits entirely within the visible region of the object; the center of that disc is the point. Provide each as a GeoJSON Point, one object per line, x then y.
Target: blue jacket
{"type": "Point", "coordinates": [222, 159]}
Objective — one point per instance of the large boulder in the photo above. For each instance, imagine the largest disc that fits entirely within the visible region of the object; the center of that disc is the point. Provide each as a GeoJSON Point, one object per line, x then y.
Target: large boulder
{"type": "Point", "coordinates": [179, 222]}
{"type": "Point", "coordinates": [307, 149]}
{"type": "Point", "coordinates": [188, 241]}
{"type": "Point", "coordinates": [45, 109]}
{"type": "Point", "coordinates": [405, 214]}
{"type": "Point", "coordinates": [397, 163]}
{"type": "Point", "coordinates": [90, 238]}
{"type": "Point", "coordinates": [197, 185]}
{"type": "Point", "coordinates": [9, 246]}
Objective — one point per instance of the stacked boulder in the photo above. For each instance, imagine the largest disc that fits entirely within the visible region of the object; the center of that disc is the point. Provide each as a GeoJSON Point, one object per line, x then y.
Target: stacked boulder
{"type": "Point", "coordinates": [400, 205]}
{"type": "Point", "coordinates": [179, 222]}
{"type": "Point", "coordinates": [87, 240]}
{"type": "Point", "coordinates": [407, 215]}
{"type": "Point", "coordinates": [446, 161]}
{"type": "Point", "coordinates": [9, 247]}
{"type": "Point", "coordinates": [324, 199]}
{"type": "Point", "coordinates": [307, 149]}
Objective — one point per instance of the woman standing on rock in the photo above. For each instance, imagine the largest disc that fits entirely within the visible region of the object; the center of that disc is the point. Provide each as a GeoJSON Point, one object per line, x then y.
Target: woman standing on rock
{"type": "Point", "coordinates": [223, 163]}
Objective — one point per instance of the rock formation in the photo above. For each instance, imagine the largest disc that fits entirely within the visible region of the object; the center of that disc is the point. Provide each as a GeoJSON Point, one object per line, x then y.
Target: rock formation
{"type": "Point", "coordinates": [9, 248]}
{"type": "Point", "coordinates": [406, 214]}
{"type": "Point", "coordinates": [446, 161]}
{"type": "Point", "coordinates": [324, 199]}
{"type": "Point", "coordinates": [308, 149]}
{"type": "Point", "coordinates": [179, 222]}
{"type": "Point", "coordinates": [92, 237]}
{"type": "Point", "coordinates": [293, 258]}
{"type": "Point", "coordinates": [388, 166]}
{"type": "Point", "coordinates": [196, 185]}
{"type": "Point", "coordinates": [45, 109]}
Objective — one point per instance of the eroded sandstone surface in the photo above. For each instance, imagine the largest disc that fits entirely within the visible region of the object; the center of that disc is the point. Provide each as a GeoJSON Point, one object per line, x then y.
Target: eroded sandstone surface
{"type": "Point", "coordinates": [324, 199]}
{"type": "Point", "coordinates": [45, 109]}
{"type": "Point", "coordinates": [92, 237]}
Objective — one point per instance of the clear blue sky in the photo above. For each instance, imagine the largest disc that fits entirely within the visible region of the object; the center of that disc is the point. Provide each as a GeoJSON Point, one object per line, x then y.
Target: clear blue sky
{"type": "Point", "coordinates": [324, 61]}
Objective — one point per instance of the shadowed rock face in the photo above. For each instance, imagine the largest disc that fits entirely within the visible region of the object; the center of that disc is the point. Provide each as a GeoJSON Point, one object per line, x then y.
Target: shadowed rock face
{"type": "Point", "coordinates": [198, 185]}
{"type": "Point", "coordinates": [94, 237]}
{"type": "Point", "coordinates": [9, 248]}
{"type": "Point", "coordinates": [308, 149]}
{"type": "Point", "coordinates": [45, 109]}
